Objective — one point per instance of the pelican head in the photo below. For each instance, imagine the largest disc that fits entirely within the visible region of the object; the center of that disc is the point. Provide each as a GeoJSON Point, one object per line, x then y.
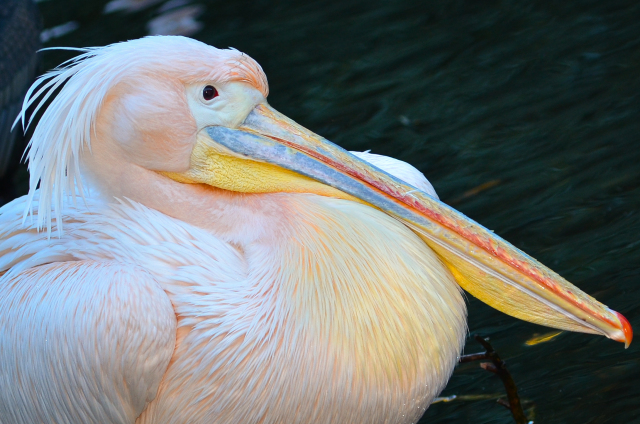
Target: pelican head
{"type": "Point", "coordinates": [185, 129]}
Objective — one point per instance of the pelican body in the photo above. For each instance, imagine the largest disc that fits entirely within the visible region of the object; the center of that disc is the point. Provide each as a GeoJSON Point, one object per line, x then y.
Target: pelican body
{"type": "Point", "coordinates": [186, 254]}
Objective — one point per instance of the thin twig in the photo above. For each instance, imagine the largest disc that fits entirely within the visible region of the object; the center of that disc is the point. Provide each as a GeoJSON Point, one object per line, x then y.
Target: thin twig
{"type": "Point", "coordinates": [473, 357]}
{"type": "Point", "coordinates": [497, 366]}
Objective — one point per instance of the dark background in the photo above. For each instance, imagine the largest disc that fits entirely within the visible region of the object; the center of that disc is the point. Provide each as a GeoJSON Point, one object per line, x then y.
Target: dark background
{"type": "Point", "coordinates": [523, 114]}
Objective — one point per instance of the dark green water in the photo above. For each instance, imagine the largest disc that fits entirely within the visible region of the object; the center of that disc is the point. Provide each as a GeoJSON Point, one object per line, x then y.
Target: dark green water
{"type": "Point", "coordinates": [539, 101]}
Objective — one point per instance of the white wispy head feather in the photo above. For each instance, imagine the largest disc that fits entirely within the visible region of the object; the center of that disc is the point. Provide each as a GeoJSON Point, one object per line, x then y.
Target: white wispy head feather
{"type": "Point", "coordinates": [84, 81]}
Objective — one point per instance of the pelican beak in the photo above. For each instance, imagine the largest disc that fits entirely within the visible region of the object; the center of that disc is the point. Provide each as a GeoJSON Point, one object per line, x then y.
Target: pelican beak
{"type": "Point", "coordinates": [488, 267]}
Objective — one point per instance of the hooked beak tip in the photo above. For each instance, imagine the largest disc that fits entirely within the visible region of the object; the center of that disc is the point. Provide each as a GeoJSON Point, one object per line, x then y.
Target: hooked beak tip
{"type": "Point", "coordinates": [627, 332]}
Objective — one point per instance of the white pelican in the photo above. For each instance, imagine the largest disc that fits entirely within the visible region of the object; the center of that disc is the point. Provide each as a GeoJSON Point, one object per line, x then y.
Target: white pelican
{"type": "Point", "coordinates": [222, 264]}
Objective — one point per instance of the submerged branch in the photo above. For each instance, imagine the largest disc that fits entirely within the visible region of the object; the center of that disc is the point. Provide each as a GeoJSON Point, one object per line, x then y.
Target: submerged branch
{"type": "Point", "coordinates": [497, 366]}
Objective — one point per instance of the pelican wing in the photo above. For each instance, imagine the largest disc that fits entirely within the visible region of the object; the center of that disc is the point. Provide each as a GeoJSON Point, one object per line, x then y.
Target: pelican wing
{"type": "Point", "coordinates": [82, 342]}
{"type": "Point", "coordinates": [399, 169]}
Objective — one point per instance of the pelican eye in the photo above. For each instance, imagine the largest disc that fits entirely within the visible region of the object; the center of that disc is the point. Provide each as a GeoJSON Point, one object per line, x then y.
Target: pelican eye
{"type": "Point", "coordinates": [209, 92]}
